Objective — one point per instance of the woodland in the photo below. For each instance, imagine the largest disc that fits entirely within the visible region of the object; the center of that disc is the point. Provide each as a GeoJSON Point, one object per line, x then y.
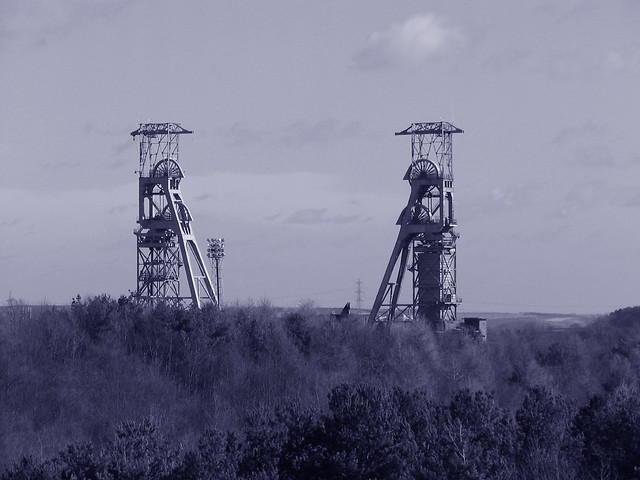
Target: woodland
{"type": "Point", "coordinates": [106, 388]}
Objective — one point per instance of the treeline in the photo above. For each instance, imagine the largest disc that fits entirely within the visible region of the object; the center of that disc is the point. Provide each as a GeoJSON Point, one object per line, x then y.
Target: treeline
{"type": "Point", "coordinates": [378, 433]}
{"type": "Point", "coordinates": [253, 392]}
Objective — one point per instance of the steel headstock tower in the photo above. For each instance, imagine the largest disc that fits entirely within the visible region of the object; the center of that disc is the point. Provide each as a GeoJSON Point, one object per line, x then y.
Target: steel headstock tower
{"type": "Point", "coordinates": [426, 244]}
{"type": "Point", "coordinates": [165, 238]}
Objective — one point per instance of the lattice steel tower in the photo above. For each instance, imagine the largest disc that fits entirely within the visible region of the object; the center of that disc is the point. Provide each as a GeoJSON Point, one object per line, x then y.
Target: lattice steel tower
{"type": "Point", "coordinates": [165, 238]}
{"type": "Point", "coordinates": [426, 244]}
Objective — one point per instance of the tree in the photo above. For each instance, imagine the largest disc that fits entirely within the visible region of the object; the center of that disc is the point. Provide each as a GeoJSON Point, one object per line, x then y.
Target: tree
{"type": "Point", "coordinates": [94, 316]}
{"type": "Point", "coordinates": [610, 431]}
{"type": "Point", "coordinates": [365, 435]}
{"type": "Point", "coordinates": [29, 469]}
{"type": "Point", "coordinates": [139, 451]}
{"type": "Point", "coordinates": [477, 439]}
{"type": "Point", "coordinates": [79, 461]}
{"type": "Point", "coordinates": [546, 448]}
{"type": "Point", "coordinates": [216, 456]}
{"type": "Point", "coordinates": [262, 447]}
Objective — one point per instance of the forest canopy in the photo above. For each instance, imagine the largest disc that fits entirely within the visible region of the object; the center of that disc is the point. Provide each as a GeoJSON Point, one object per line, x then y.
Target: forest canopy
{"type": "Point", "coordinates": [106, 388]}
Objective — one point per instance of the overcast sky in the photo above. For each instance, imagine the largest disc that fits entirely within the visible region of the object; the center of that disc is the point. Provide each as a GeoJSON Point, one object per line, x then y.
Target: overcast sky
{"type": "Point", "coordinates": [294, 105]}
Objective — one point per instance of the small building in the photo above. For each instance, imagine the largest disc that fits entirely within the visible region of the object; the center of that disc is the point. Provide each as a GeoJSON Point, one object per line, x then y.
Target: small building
{"type": "Point", "coordinates": [476, 326]}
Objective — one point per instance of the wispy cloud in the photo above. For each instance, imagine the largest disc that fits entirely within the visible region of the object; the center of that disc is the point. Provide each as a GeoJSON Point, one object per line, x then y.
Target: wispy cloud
{"type": "Point", "coordinates": [407, 44]}
{"type": "Point", "coordinates": [509, 197]}
{"type": "Point", "coordinates": [121, 147]}
{"type": "Point", "coordinates": [620, 60]}
{"type": "Point", "coordinates": [508, 58]}
{"type": "Point", "coordinates": [323, 131]}
{"type": "Point", "coordinates": [318, 215]}
{"type": "Point", "coordinates": [240, 134]}
{"type": "Point", "coordinates": [10, 223]}
{"type": "Point", "coordinates": [37, 22]}
{"type": "Point", "coordinates": [577, 132]}
{"type": "Point", "coordinates": [588, 144]}
{"type": "Point", "coordinates": [581, 198]}
{"type": "Point", "coordinates": [300, 132]}
{"type": "Point", "coordinates": [595, 156]}
{"type": "Point", "coordinates": [634, 201]}
{"type": "Point", "coordinates": [201, 197]}
{"type": "Point", "coordinates": [123, 208]}
{"type": "Point", "coordinates": [307, 216]}
{"type": "Point", "coordinates": [61, 165]}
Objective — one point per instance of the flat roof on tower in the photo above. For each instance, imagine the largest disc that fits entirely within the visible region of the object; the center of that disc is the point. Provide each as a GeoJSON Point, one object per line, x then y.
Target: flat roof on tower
{"type": "Point", "coordinates": [430, 128]}
{"type": "Point", "coordinates": [159, 129]}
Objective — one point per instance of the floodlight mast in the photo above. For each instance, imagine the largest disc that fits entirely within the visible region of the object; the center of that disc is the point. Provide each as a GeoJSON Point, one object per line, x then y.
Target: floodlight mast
{"type": "Point", "coordinates": [215, 252]}
{"type": "Point", "coordinates": [165, 239]}
{"type": "Point", "coordinates": [426, 244]}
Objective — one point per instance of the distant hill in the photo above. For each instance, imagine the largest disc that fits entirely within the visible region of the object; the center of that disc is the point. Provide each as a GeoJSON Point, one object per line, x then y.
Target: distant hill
{"type": "Point", "coordinates": [517, 320]}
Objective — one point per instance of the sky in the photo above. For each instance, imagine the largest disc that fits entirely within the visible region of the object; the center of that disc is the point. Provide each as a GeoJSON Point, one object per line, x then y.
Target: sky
{"type": "Point", "coordinates": [293, 160]}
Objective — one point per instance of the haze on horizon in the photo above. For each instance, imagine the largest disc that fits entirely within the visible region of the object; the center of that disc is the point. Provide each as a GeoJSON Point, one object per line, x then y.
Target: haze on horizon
{"type": "Point", "coordinates": [294, 159]}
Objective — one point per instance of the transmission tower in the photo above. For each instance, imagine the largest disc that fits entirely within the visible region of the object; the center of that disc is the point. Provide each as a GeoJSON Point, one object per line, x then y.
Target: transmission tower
{"type": "Point", "coordinates": [426, 244]}
{"type": "Point", "coordinates": [215, 252]}
{"type": "Point", "coordinates": [358, 293]}
{"type": "Point", "coordinates": [165, 238]}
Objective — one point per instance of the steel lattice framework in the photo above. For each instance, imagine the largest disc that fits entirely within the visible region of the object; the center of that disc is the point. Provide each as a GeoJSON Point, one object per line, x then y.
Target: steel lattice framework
{"type": "Point", "coordinates": [426, 244]}
{"type": "Point", "coordinates": [165, 239]}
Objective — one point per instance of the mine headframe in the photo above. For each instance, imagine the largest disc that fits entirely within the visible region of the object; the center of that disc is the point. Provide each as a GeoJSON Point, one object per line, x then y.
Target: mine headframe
{"type": "Point", "coordinates": [167, 252]}
{"type": "Point", "coordinates": [426, 243]}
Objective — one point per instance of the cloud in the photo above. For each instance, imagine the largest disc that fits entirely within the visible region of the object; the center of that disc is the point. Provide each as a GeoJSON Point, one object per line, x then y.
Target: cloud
{"type": "Point", "coordinates": [201, 197]}
{"type": "Point", "coordinates": [586, 145]}
{"type": "Point", "coordinates": [577, 133]}
{"type": "Point", "coordinates": [581, 198]}
{"type": "Point", "coordinates": [302, 132]}
{"type": "Point", "coordinates": [512, 196]}
{"type": "Point", "coordinates": [320, 132]}
{"type": "Point", "coordinates": [634, 201]}
{"type": "Point", "coordinates": [618, 61]}
{"type": "Point", "coordinates": [505, 59]}
{"type": "Point", "coordinates": [310, 216]}
{"type": "Point", "coordinates": [307, 216]}
{"type": "Point", "coordinates": [499, 199]}
{"type": "Point", "coordinates": [10, 223]}
{"type": "Point", "coordinates": [240, 134]}
{"type": "Point", "coordinates": [58, 165]}
{"type": "Point", "coordinates": [124, 208]}
{"type": "Point", "coordinates": [270, 218]}
{"type": "Point", "coordinates": [504, 197]}
{"type": "Point", "coordinates": [37, 22]}
{"type": "Point", "coordinates": [595, 156]}
{"type": "Point", "coordinates": [409, 43]}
